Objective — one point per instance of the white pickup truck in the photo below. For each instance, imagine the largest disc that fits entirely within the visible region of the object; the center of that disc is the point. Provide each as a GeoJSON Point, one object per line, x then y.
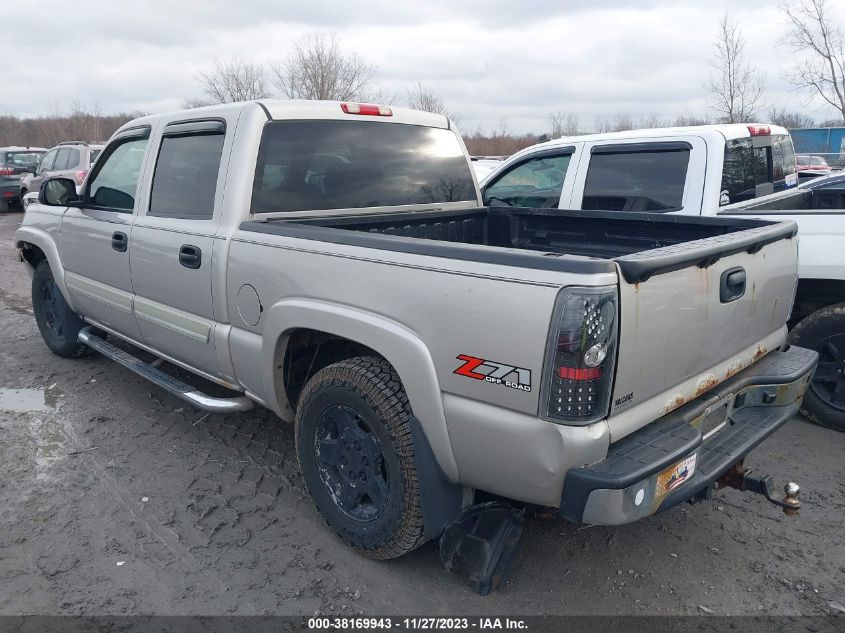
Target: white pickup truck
{"type": "Point", "coordinates": [718, 170]}
{"type": "Point", "coordinates": [333, 262]}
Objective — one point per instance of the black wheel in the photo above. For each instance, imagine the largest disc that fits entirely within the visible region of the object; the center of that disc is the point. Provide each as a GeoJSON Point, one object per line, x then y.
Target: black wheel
{"type": "Point", "coordinates": [59, 325]}
{"type": "Point", "coordinates": [4, 206]}
{"type": "Point", "coordinates": [824, 331]}
{"type": "Point", "coordinates": [20, 200]}
{"type": "Point", "coordinates": [357, 458]}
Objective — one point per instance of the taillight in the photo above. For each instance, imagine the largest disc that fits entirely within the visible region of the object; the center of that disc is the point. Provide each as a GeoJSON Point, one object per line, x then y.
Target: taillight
{"type": "Point", "coordinates": [7, 171]}
{"type": "Point", "coordinates": [368, 109]}
{"type": "Point", "coordinates": [581, 355]}
{"type": "Point", "coordinates": [759, 130]}
{"type": "Point", "coordinates": [79, 176]}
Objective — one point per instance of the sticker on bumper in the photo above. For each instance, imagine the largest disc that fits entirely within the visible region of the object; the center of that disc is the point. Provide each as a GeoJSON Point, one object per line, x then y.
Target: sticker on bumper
{"type": "Point", "coordinates": [676, 475]}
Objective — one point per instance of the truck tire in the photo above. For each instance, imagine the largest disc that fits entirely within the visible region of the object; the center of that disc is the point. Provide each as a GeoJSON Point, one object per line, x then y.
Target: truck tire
{"type": "Point", "coordinates": [824, 331]}
{"type": "Point", "coordinates": [59, 325]}
{"type": "Point", "coordinates": [353, 440]}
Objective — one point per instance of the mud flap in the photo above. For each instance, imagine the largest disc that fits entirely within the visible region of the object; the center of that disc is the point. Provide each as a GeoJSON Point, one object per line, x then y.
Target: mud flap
{"type": "Point", "coordinates": [480, 543]}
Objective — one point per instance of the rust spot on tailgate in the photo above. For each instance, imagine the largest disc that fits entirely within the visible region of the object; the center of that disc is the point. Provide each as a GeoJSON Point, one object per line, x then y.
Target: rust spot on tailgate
{"type": "Point", "coordinates": [678, 400]}
{"type": "Point", "coordinates": [706, 383]}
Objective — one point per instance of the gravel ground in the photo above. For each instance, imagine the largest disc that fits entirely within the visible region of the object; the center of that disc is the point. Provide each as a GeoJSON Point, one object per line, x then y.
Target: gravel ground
{"type": "Point", "coordinates": [116, 498]}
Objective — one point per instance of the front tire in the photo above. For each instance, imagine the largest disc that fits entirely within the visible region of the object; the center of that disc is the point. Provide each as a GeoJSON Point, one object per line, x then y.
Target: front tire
{"type": "Point", "coordinates": [824, 332]}
{"type": "Point", "coordinates": [353, 440]}
{"type": "Point", "coordinates": [58, 324]}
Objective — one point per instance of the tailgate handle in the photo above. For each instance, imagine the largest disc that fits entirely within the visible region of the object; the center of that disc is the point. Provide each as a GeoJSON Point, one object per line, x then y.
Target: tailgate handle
{"type": "Point", "coordinates": [732, 285]}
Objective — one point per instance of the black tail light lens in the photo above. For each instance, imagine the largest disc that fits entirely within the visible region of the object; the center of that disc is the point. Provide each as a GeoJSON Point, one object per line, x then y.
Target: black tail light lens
{"type": "Point", "coordinates": [581, 355]}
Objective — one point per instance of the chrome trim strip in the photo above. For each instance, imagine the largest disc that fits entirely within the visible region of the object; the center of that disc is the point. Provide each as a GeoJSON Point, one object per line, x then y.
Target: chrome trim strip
{"type": "Point", "coordinates": [184, 323]}
{"type": "Point", "coordinates": [101, 292]}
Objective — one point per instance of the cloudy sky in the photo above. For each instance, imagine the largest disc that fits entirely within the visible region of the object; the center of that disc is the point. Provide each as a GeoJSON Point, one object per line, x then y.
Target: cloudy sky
{"type": "Point", "coordinates": [489, 61]}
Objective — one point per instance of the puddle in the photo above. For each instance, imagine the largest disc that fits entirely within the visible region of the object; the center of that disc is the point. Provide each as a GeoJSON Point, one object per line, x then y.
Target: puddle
{"type": "Point", "coordinates": [48, 434]}
{"type": "Point", "coordinates": [28, 400]}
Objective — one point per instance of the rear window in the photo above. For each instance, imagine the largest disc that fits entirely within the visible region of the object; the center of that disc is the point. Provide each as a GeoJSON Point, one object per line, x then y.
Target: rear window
{"type": "Point", "coordinates": [634, 179]}
{"type": "Point", "coordinates": [316, 165]}
{"type": "Point", "coordinates": [21, 159]}
{"type": "Point", "coordinates": [750, 164]}
{"type": "Point", "coordinates": [93, 157]}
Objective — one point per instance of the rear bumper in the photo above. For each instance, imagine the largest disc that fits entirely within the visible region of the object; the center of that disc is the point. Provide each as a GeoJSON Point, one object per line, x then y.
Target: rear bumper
{"type": "Point", "coordinates": [10, 192]}
{"type": "Point", "coordinates": [679, 456]}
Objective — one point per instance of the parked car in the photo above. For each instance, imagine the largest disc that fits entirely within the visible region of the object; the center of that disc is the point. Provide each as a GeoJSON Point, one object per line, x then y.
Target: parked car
{"type": "Point", "coordinates": [705, 170]}
{"type": "Point", "coordinates": [423, 345]}
{"type": "Point", "coordinates": [811, 166]}
{"type": "Point", "coordinates": [14, 161]}
{"type": "Point", "coordinates": [483, 165]}
{"type": "Point", "coordinates": [71, 159]}
{"type": "Point", "coordinates": [828, 142]}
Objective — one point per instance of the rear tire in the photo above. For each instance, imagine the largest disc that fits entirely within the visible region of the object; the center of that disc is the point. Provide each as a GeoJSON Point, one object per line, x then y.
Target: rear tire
{"type": "Point", "coordinates": [58, 324]}
{"type": "Point", "coordinates": [353, 440]}
{"type": "Point", "coordinates": [824, 332]}
{"type": "Point", "coordinates": [4, 206]}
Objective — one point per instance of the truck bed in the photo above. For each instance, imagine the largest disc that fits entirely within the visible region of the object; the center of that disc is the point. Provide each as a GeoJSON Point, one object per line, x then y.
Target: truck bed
{"type": "Point", "coordinates": [641, 244]}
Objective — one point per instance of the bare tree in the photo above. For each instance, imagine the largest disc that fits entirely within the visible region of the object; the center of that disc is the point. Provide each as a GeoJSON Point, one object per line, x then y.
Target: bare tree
{"type": "Point", "coordinates": [790, 120]}
{"type": "Point", "coordinates": [737, 87]}
{"type": "Point", "coordinates": [813, 32]}
{"type": "Point", "coordinates": [563, 124]}
{"type": "Point", "coordinates": [189, 103]}
{"type": "Point", "coordinates": [622, 122]}
{"type": "Point", "coordinates": [686, 120]}
{"type": "Point", "coordinates": [653, 120]}
{"type": "Point", "coordinates": [318, 69]}
{"type": "Point", "coordinates": [421, 98]}
{"type": "Point", "coordinates": [234, 80]}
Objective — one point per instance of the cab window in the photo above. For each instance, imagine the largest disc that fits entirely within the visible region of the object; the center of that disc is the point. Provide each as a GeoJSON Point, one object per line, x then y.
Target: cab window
{"type": "Point", "coordinates": [113, 186]}
{"type": "Point", "coordinates": [637, 177]}
{"type": "Point", "coordinates": [535, 183]}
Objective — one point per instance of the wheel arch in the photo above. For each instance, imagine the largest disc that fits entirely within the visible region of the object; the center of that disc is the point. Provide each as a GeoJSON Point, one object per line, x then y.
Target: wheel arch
{"type": "Point", "coordinates": [813, 294]}
{"type": "Point", "coordinates": [36, 245]}
{"type": "Point", "coordinates": [366, 331]}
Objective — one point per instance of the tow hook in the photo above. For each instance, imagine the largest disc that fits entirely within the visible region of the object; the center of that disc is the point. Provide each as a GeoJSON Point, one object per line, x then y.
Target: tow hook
{"type": "Point", "coordinates": [740, 478]}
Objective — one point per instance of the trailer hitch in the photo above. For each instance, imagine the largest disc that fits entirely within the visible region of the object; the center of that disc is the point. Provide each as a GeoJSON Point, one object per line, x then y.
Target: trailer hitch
{"type": "Point", "coordinates": [740, 478]}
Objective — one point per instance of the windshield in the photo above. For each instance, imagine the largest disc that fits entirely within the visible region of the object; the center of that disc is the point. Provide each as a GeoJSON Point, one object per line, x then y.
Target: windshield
{"type": "Point", "coordinates": [316, 165]}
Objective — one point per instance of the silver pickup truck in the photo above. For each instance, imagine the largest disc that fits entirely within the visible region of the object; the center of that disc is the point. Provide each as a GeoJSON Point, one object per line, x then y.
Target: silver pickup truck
{"type": "Point", "coordinates": [334, 262]}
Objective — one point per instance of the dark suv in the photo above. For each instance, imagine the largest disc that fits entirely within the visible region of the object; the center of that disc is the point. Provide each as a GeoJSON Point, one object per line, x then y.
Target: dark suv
{"type": "Point", "coordinates": [71, 159]}
{"type": "Point", "coordinates": [14, 161]}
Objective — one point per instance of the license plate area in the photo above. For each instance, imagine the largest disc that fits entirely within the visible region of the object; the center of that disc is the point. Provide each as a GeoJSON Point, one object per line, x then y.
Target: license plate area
{"type": "Point", "coordinates": [714, 419]}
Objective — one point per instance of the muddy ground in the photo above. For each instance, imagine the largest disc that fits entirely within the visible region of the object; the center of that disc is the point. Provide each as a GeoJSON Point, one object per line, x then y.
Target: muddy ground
{"type": "Point", "coordinates": [116, 498]}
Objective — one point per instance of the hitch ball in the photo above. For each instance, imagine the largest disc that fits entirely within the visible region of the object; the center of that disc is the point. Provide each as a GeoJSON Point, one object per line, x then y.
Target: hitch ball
{"type": "Point", "coordinates": [791, 503]}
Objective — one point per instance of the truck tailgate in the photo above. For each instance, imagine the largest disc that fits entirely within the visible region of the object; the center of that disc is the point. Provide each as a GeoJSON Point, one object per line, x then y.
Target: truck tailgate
{"type": "Point", "coordinates": [686, 324]}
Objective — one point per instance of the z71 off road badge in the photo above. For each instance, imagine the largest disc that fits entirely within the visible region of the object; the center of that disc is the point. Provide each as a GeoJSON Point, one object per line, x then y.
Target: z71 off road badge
{"type": "Point", "coordinates": [493, 372]}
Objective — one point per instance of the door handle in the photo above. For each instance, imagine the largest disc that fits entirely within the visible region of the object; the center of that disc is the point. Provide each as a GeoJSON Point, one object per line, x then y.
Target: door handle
{"type": "Point", "coordinates": [732, 284]}
{"type": "Point", "coordinates": [190, 256]}
{"type": "Point", "coordinates": [119, 241]}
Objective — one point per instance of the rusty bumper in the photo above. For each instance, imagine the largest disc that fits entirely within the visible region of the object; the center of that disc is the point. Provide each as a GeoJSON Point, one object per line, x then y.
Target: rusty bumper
{"type": "Point", "coordinates": [679, 457]}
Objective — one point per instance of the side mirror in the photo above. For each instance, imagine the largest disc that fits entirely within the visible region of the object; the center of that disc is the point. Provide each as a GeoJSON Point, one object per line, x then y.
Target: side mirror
{"type": "Point", "coordinates": [32, 169]}
{"type": "Point", "coordinates": [58, 192]}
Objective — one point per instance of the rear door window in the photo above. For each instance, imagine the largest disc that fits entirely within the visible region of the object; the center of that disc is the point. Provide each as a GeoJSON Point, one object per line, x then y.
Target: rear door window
{"type": "Point", "coordinates": [72, 159]}
{"type": "Point", "coordinates": [61, 159]}
{"type": "Point", "coordinates": [536, 183]}
{"type": "Point", "coordinates": [317, 165]}
{"type": "Point", "coordinates": [185, 177]}
{"type": "Point", "coordinates": [637, 177]}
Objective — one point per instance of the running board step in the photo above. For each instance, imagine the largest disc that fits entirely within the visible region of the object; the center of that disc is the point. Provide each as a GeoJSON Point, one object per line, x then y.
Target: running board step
{"type": "Point", "coordinates": [173, 385]}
